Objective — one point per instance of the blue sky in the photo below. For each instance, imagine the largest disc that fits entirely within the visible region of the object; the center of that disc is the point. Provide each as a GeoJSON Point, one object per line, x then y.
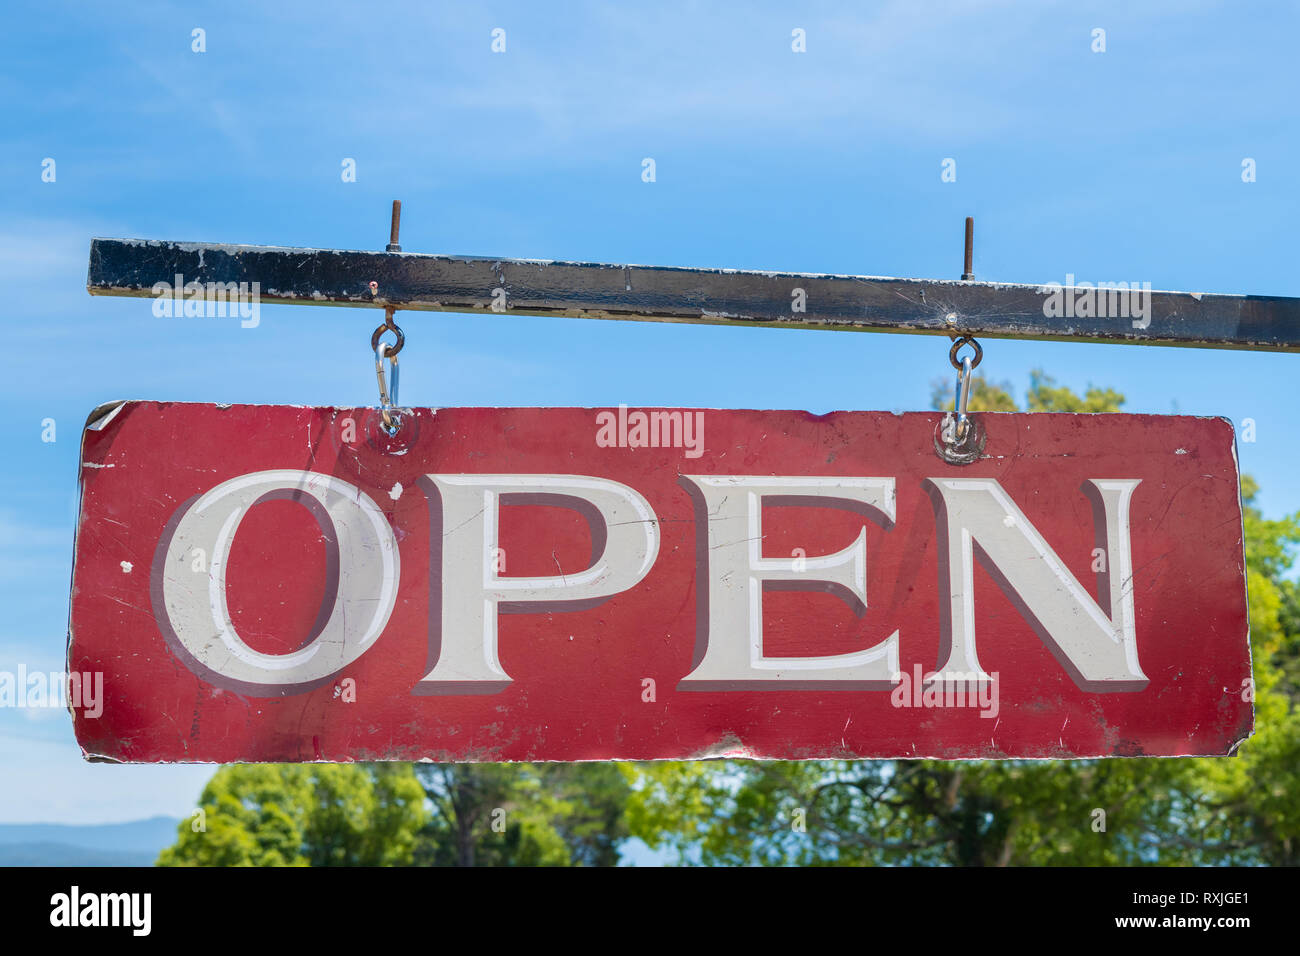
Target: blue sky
{"type": "Point", "coordinates": [1122, 165]}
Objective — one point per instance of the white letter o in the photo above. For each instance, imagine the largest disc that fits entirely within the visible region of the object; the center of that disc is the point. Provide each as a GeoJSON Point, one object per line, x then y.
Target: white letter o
{"type": "Point", "coordinates": [192, 608]}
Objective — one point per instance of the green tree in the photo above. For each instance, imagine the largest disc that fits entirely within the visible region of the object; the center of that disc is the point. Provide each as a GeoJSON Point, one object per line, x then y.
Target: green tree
{"type": "Point", "coordinates": [303, 815]}
{"type": "Point", "coordinates": [523, 814]}
{"type": "Point", "coordinates": [1044, 395]}
{"type": "Point", "coordinates": [397, 815]}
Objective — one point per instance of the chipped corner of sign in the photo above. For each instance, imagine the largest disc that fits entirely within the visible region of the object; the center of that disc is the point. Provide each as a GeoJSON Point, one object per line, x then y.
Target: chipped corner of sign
{"type": "Point", "coordinates": [1235, 749]}
{"type": "Point", "coordinates": [87, 754]}
{"type": "Point", "coordinates": [1252, 725]}
{"type": "Point", "coordinates": [98, 420]}
{"type": "Point", "coordinates": [90, 757]}
{"type": "Point", "coordinates": [102, 415]}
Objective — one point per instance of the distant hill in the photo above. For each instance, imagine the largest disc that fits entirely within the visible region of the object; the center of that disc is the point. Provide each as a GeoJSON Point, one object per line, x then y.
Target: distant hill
{"type": "Point", "coordinates": [136, 843]}
{"type": "Point", "coordinates": [61, 854]}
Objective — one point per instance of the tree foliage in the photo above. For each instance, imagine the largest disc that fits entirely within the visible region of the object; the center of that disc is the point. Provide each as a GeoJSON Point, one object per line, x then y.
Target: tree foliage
{"type": "Point", "coordinates": [400, 814]}
{"type": "Point", "coordinates": [303, 815]}
{"type": "Point", "coordinates": [523, 814]}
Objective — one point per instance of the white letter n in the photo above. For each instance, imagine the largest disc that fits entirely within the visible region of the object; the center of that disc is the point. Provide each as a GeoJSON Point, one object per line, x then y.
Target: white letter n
{"type": "Point", "coordinates": [1095, 644]}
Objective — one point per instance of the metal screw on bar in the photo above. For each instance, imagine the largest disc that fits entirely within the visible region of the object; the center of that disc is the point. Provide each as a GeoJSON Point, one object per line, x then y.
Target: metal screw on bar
{"type": "Point", "coordinates": [397, 223]}
{"type": "Point", "coordinates": [970, 250]}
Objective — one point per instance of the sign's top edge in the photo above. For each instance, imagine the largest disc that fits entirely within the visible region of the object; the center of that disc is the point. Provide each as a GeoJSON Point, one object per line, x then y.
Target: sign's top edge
{"type": "Point", "coordinates": [114, 405]}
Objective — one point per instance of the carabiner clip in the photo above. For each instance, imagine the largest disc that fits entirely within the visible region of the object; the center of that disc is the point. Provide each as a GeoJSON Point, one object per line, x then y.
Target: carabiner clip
{"type": "Point", "coordinates": [387, 387]}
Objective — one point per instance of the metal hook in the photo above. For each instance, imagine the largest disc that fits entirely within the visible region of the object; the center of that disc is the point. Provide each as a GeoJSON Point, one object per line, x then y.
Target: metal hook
{"type": "Point", "coordinates": [962, 402]}
{"type": "Point", "coordinates": [387, 386]}
{"type": "Point", "coordinates": [958, 342]}
{"type": "Point", "coordinates": [389, 326]}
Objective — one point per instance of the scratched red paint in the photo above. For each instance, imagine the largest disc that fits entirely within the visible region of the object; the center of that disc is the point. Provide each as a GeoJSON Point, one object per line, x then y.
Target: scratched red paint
{"type": "Point", "coordinates": [578, 678]}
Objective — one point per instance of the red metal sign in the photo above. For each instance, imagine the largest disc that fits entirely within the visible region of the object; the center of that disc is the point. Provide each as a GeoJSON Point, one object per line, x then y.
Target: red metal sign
{"type": "Point", "coordinates": [281, 584]}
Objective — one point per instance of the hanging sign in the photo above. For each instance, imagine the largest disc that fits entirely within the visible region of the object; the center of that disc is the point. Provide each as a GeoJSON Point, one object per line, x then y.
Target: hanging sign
{"type": "Point", "coordinates": [259, 583]}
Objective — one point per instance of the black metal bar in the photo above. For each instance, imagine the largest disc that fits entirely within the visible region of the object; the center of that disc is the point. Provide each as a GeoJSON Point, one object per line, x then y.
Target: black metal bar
{"type": "Point", "coordinates": [409, 281]}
